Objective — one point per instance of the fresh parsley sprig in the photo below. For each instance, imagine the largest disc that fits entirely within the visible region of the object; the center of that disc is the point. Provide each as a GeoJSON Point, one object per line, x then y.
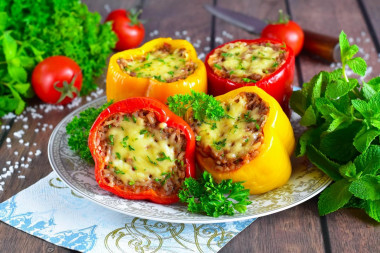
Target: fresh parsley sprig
{"type": "Point", "coordinates": [343, 120]}
{"type": "Point", "coordinates": [206, 196]}
{"type": "Point", "coordinates": [78, 130]}
{"type": "Point", "coordinates": [204, 106]}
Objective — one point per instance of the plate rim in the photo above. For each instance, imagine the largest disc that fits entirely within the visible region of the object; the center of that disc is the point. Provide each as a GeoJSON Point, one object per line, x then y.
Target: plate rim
{"type": "Point", "coordinates": [211, 220]}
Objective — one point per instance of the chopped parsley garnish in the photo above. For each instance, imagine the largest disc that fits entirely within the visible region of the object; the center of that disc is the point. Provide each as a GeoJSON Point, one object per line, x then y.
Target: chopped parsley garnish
{"type": "Point", "coordinates": [111, 139]}
{"type": "Point", "coordinates": [198, 138]}
{"type": "Point", "coordinates": [143, 131]}
{"type": "Point", "coordinates": [150, 160]}
{"type": "Point", "coordinates": [159, 78]}
{"type": "Point", "coordinates": [117, 171]}
{"type": "Point", "coordinates": [118, 155]}
{"type": "Point", "coordinates": [130, 148]}
{"type": "Point", "coordinates": [231, 72]}
{"type": "Point", "coordinates": [248, 80]}
{"type": "Point", "coordinates": [163, 157]}
{"type": "Point", "coordinates": [147, 56]}
{"type": "Point", "coordinates": [125, 118]}
{"type": "Point", "coordinates": [257, 126]}
{"type": "Point", "coordinates": [275, 65]}
{"type": "Point", "coordinates": [134, 119]}
{"type": "Point", "coordinates": [217, 66]}
{"type": "Point", "coordinates": [218, 145]}
{"type": "Point", "coordinates": [131, 182]}
{"type": "Point", "coordinates": [246, 140]}
{"type": "Point", "coordinates": [213, 126]}
{"type": "Point", "coordinates": [226, 54]}
{"type": "Point", "coordinates": [171, 73]}
{"type": "Point", "coordinates": [254, 57]}
{"type": "Point", "coordinates": [248, 118]}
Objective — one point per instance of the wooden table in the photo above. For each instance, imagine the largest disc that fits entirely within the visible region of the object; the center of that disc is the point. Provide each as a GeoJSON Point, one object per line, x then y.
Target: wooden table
{"type": "Point", "coordinates": [299, 229]}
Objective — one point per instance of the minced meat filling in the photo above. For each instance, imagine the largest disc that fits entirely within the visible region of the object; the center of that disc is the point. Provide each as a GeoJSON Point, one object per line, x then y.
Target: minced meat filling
{"type": "Point", "coordinates": [141, 153]}
{"type": "Point", "coordinates": [247, 63]}
{"type": "Point", "coordinates": [166, 64]}
{"type": "Point", "coordinates": [234, 140]}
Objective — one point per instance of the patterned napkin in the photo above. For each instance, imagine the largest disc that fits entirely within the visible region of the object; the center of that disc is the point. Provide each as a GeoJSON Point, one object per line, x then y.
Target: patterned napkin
{"type": "Point", "coordinates": [53, 212]}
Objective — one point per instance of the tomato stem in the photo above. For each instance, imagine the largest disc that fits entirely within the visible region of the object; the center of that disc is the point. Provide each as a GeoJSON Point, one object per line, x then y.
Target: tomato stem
{"type": "Point", "coordinates": [282, 18]}
{"type": "Point", "coordinates": [134, 17]}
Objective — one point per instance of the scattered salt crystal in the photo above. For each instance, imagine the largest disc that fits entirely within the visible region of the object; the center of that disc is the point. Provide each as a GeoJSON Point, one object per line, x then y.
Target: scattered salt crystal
{"type": "Point", "coordinates": [107, 8]}
{"type": "Point", "coordinates": [8, 162]}
{"type": "Point", "coordinates": [38, 152]}
{"type": "Point", "coordinates": [50, 126]}
{"type": "Point", "coordinates": [9, 116]}
{"type": "Point", "coordinates": [29, 159]}
{"type": "Point", "coordinates": [188, 38]}
{"type": "Point", "coordinates": [26, 144]}
{"type": "Point", "coordinates": [184, 32]}
{"type": "Point", "coordinates": [4, 169]}
{"type": "Point", "coordinates": [155, 32]}
{"type": "Point", "coordinates": [8, 140]}
{"type": "Point", "coordinates": [38, 124]}
{"type": "Point", "coordinates": [351, 40]}
{"type": "Point", "coordinates": [201, 55]}
{"type": "Point", "coordinates": [21, 141]}
{"type": "Point", "coordinates": [25, 119]}
{"type": "Point", "coordinates": [36, 130]}
{"type": "Point", "coordinates": [206, 49]}
{"type": "Point", "coordinates": [363, 33]}
{"type": "Point", "coordinates": [26, 166]}
{"type": "Point", "coordinates": [34, 144]}
{"type": "Point", "coordinates": [43, 129]}
{"type": "Point", "coordinates": [25, 127]}
{"type": "Point", "coordinates": [367, 40]}
{"type": "Point", "coordinates": [19, 134]}
{"type": "Point", "coordinates": [23, 158]}
{"type": "Point", "coordinates": [21, 176]}
{"type": "Point", "coordinates": [16, 166]}
{"type": "Point", "coordinates": [177, 33]}
{"type": "Point", "coordinates": [208, 39]}
{"type": "Point", "coordinates": [9, 145]}
{"type": "Point", "coordinates": [88, 99]}
{"type": "Point", "coordinates": [16, 152]}
{"type": "Point", "coordinates": [30, 153]}
{"type": "Point", "coordinates": [7, 127]}
{"type": "Point", "coordinates": [358, 39]}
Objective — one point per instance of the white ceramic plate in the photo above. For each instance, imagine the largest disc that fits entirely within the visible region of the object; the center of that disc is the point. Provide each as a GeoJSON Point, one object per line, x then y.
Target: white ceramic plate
{"type": "Point", "coordinates": [79, 175]}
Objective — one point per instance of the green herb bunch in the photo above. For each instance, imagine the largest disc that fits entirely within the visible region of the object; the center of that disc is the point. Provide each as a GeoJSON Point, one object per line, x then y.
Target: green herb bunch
{"type": "Point", "coordinates": [343, 120]}
{"type": "Point", "coordinates": [203, 106]}
{"type": "Point", "coordinates": [206, 196]}
{"type": "Point", "coordinates": [78, 130]}
{"type": "Point", "coordinates": [31, 31]}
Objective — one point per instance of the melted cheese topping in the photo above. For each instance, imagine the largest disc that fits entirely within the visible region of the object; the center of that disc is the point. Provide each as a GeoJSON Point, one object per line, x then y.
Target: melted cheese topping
{"type": "Point", "coordinates": [230, 135]}
{"type": "Point", "coordinates": [242, 60]}
{"type": "Point", "coordinates": [161, 65]}
{"type": "Point", "coordinates": [135, 151]}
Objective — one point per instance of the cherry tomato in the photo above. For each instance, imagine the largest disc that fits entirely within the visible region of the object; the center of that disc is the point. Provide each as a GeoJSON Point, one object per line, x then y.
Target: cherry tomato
{"type": "Point", "coordinates": [288, 31]}
{"type": "Point", "coordinates": [129, 30]}
{"type": "Point", "coordinates": [57, 80]}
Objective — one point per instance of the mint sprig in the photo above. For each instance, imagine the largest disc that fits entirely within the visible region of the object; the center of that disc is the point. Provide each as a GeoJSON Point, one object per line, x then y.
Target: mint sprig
{"type": "Point", "coordinates": [343, 136]}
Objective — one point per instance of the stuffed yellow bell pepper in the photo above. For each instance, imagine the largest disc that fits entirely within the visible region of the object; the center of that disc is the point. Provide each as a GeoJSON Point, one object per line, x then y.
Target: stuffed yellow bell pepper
{"type": "Point", "coordinates": [252, 143]}
{"type": "Point", "coordinates": [160, 68]}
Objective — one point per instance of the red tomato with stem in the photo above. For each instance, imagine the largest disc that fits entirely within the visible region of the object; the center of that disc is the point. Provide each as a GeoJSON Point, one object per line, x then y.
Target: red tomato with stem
{"type": "Point", "coordinates": [128, 28]}
{"type": "Point", "coordinates": [285, 30]}
{"type": "Point", "coordinates": [57, 80]}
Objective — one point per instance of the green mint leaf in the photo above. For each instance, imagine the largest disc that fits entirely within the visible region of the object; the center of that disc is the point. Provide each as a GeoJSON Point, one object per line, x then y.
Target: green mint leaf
{"type": "Point", "coordinates": [372, 208]}
{"type": "Point", "coordinates": [298, 102]}
{"type": "Point", "coordinates": [323, 163]}
{"type": "Point", "coordinates": [371, 88]}
{"type": "Point", "coordinates": [374, 105]}
{"type": "Point", "coordinates": [366, 187]}
{"type": "Point", "coordinates": [358, 65]}
{"type": "Point", "coordinates": [338, 144]}
{"type": "Point", "coordinates": [362, 107]}
{"type": "Point", "coordinates": [369, 161]}
{"type": "Point", "coordinates": [364, 138]}
{"type": "Point", "coordinates": [352, 50]}
{"type": "Point", "coordinates": [344, 45]}
{"type": "Point", "coordinates": [304, 140]}
{"type": "Point", "coordinates": [309, 118]}
{"type": "Point", "coordinates": [348, 170]}
{"type": "Point", "coordinates": [334, 197]}
{"type": "Point", "coordinates": [340, 88]}
{"type": "Point", "coordinates": [336, 74]}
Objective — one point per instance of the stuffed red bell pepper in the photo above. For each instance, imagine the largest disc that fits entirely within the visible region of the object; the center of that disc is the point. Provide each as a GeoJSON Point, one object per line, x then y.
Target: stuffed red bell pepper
{"type": "Point", "coordinates": [266, 63]}
{"type": "Point", "coordinates": [142, 150]}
